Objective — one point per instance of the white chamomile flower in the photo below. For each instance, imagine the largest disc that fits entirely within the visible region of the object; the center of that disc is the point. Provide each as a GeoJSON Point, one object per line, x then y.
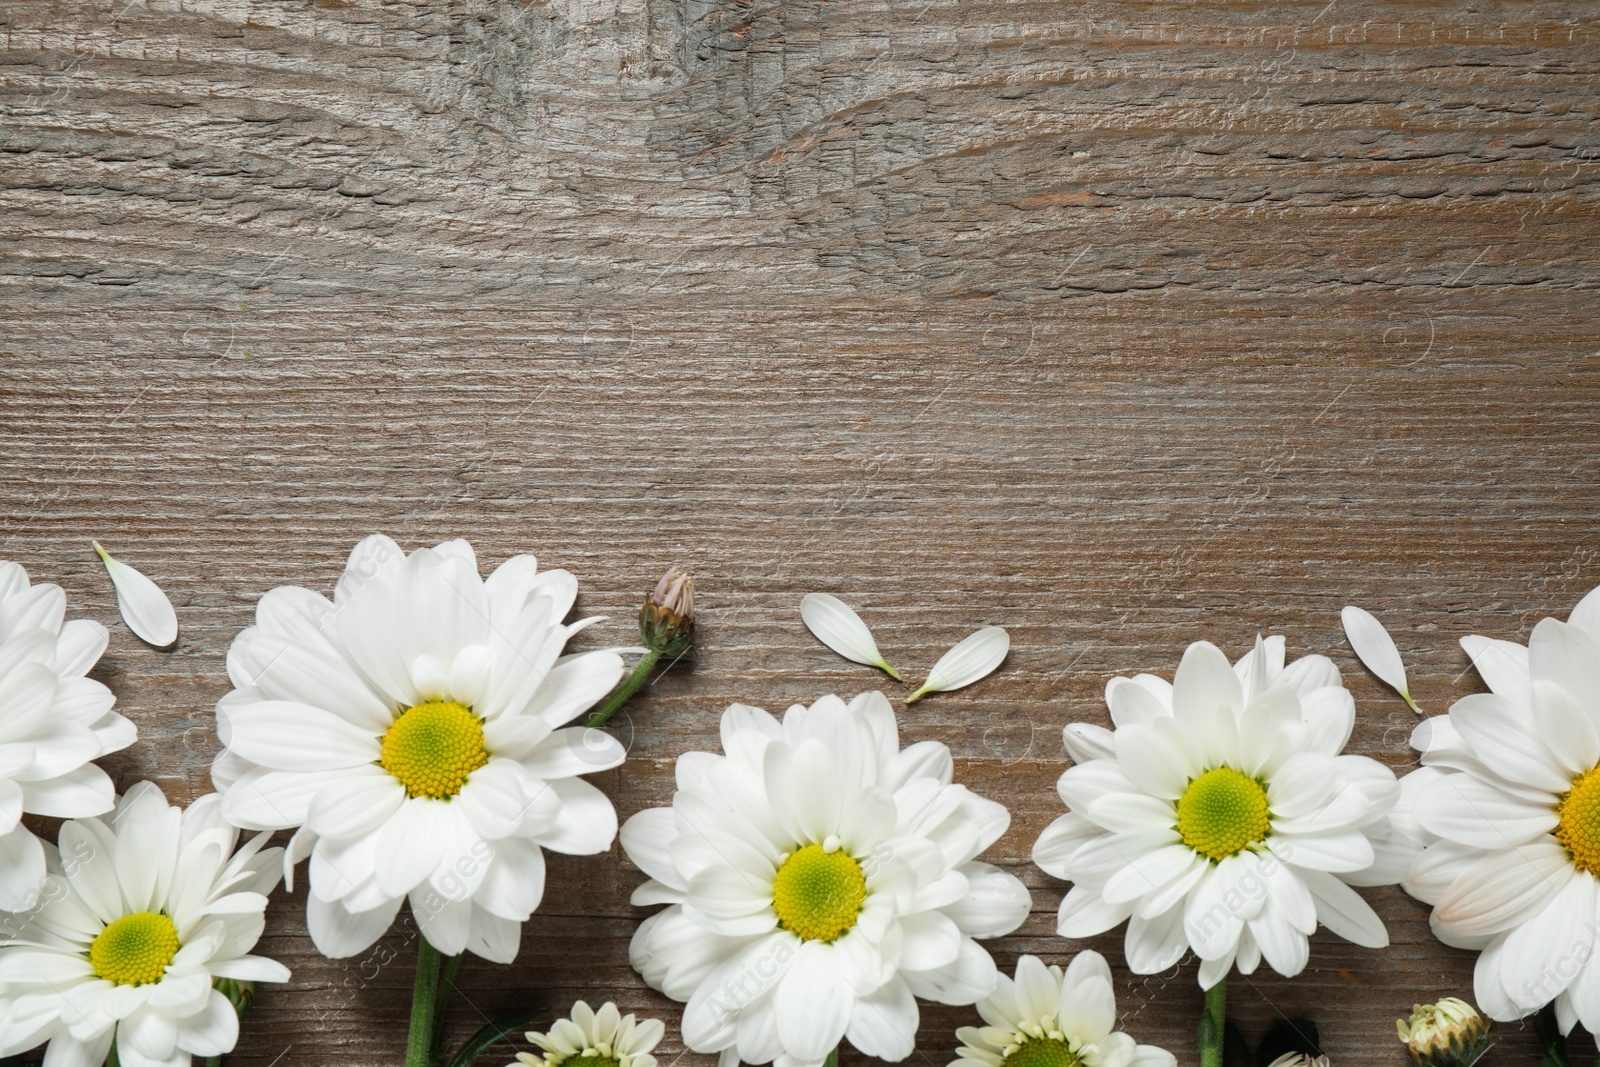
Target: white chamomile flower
{"type": "Point", "coordinates": [1508, 803]}
{"type": "Point", "coordinates": [411, 728]}
{"type": "Point", "coordinates": [604, 1038]}
{"type": "Point", "coordinates": [143, 911]}
{"type": "Point", "coordinates": [53, 722]}
{"type": "Point", "coordinates": [818, 879]}
{"type": "Point", "coordinates": [1050, 1018]}
{"type": "Point", "coordinates": [1220, 816]}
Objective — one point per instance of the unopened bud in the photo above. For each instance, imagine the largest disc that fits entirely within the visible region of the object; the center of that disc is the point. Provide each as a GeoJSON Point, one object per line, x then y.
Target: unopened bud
{"type": "Point", "coordinates": [667, 619]}
{"type": "Point", "coordinates": [241, 994]}
{"type": "Point", "coordinates": [1450, 1033]}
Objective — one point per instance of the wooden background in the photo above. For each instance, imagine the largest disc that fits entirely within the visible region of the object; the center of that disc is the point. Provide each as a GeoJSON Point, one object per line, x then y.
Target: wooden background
{"type": "Point", "coordinates": [1118, 324]}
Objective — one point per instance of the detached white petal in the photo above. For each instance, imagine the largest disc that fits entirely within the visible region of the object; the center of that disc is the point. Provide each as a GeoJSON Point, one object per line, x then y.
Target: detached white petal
{"type": "Point", "coordinates": [145, 608]}
{"type": "Point", "coordinates": [1375, 648]}
{"type": "Point", "coordinates": [842, 630]}
{"type": "Point", "coordinates": [974, 658]}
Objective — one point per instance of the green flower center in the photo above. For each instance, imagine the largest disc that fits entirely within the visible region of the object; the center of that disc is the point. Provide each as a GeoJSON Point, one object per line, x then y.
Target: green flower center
{"type": "Point", "coordinates": [1222, 813]}
{"type": "Point", "coordinates": [433, 747]}
{"type": "Point", "coordinates": [1578, 821]}
{"type": "Point", "coordinates": [818, 894]}
{"type": "Point", "coordinates": [1042, 1052]}
{"type": "Point", "coordinates": [134, 950]}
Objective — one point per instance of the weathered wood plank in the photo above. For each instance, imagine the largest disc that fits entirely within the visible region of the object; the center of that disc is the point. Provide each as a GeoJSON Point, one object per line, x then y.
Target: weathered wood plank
{"type": "Point", "coordinates": [1118, 324]}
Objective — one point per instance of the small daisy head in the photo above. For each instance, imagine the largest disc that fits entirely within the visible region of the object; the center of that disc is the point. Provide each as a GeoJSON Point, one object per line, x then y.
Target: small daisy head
{"type": "Point", "coordinates": [818, 879]}
{"type": "Point", "coordinates": [1047, 1017]}
{"type": "Point", "coordinates": [414, 732]}
{"type": "Point", "coordinates": [1220, 815]}
{"type": "Point", "coordinates": [1507, 807]}
{"type": "Point", "coordinates": [142, 938]}
{"type": "Point", "coordinates": [53, 722]}
{"type": "Point", "coordinates": [1450, 1033]}
{"type": "Point", "coordinates": [667, 619]}
{"type": "Point", "coordinates": [604, 1038]}
{"type": "Point", "coordinates": [1299, 1059]}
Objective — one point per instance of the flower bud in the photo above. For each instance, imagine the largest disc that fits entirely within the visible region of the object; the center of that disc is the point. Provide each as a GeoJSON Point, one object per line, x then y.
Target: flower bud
{"type": "Point", "coordinates": [1450, 1033]}
{"type": "Point", "coordinates": [667, 619]}
{"type": "Point", "coordinates": [241, 994]}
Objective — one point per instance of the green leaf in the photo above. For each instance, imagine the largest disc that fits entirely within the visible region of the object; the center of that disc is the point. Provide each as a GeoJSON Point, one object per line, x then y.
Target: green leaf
{"type": "Point", "coordinates": [1289, 1035]}
{"type": "Point", "coordinates": [492, 1033]}
{"type": "Point", "coordinates": [1235, 1049]}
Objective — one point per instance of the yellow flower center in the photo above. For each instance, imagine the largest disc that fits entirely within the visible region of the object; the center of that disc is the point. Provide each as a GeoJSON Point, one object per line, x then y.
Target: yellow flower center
{"type": "Point", "coordinates": [1041, 1052]}
{"type": "Point", "coordinates": [134, 950]}
{"type": "Point", "coordinates": [818, 894]}
{"type": "Point", "coordinates": [432, 747]}
{"type": "Point", "coordinates": [1578, 821]}
{"type": "Point", "coordinates": [1222, 813]}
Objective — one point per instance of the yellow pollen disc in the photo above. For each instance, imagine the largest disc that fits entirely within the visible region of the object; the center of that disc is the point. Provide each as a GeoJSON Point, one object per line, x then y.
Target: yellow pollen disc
{"type": "Point", "coordinates": [134, 950]}
{"type": "Point", "coordinates": [818, 894]}
{"type": "Point", "coordinates": [432, 747]}
{"type": "Point", "coordinates": [1041, 1052]}
{"type": "Point", "coordinates": [1222, 813]}
{"type": "Point", "coordinates": [1578, 821]}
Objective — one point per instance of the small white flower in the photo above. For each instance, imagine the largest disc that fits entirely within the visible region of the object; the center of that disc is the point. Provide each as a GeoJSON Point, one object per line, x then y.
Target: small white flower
{"type": "Point", "coordinates": [142, 912]}
{"type": "Point", "coordinates": [1050, 1018]}
{"type": "Point", "coordinates": [1299, 1059]}
{"type": "Point", "coordinates": [1221, 816]}
{"type": "Point", "coordinates": [144, 607]}
{"type": "Point", "coordinates": [412, 730]}
{"type": "Point", "coordinates": [604, 1038]}
{"type": "Point", "coordinates": [976, 657]}
{"type": "Point", "coordinates": [1507, 803]}
{"type": "Point", "coordinates": [53, 721]}
{"type": "Point", "coordinates": [836, 625]}
{"type": "Point", "coordinates": [1375, 648]}
{"type": "Point", "coordinates": [817, 880]}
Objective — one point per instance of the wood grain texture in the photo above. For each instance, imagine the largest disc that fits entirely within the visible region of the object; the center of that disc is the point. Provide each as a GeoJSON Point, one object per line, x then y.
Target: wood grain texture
{"type": "Point", "coordinates": [1117, 324]}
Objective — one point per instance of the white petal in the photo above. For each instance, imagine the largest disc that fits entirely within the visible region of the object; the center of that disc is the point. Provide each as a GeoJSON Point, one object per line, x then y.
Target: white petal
{"type": "Point", "coordinates": [841, 629]}
{"type": "Point", "coordinates": [1152, 945]}
{"type": "Point", "coordinates": [339, 933]}
{"type": "Point", "coordinates": [1375, 648]}
{"type": "Point", "coordinates": [972, 659]}
{"type": "Point", "coordinates": [145, 608]}
{"type": "Point", "coordinates": [884, 1024]}
{"type": "Point", "coordinates": [814, 1002]}
{"type": "Point", "coordinates": [1502, 889]}
{"type": "Point", "coordinates": [22, 869]}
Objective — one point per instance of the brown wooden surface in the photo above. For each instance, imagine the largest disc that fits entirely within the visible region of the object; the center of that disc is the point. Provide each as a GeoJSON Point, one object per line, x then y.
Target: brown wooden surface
{"type": "Point", "coordinates": [1118, 324]}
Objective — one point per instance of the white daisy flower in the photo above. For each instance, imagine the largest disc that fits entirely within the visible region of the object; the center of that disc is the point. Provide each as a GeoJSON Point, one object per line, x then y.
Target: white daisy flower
{"type": "Point", "coordinates": [1219, 816]}
{"type": "Point", "coordinates": [604, 1038]}
{"type": "Point", "coordinates": [1051, 1018]}
{"type": "Point", "coordinates": [53, 722]}
{"type": "Point", "coordinates": [411, 729]}
{"type": "Point", "coordinates": [818, 879]}
{"type": "Point", "coordinates": [142, 912]}
{"type": "Point", "coordinates": [1508, 803]}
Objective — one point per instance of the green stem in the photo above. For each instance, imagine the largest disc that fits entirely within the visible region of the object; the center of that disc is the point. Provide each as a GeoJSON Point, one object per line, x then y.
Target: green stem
{"type": "Point", "coordinates": [1212, 1025]}
{"type": "Point", "coordinates": [213, 1061]}
{"type": "Point", "coordinates": [833, 1058]}
{"type": "Point", "coordinates": [630, 685]}
{"type": "Point", "coordinates": [424, 1000]}
{"type": "Point", "coordinates": [447, 986]}
{"type": "Point", "coordinates": [112, 1059]}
